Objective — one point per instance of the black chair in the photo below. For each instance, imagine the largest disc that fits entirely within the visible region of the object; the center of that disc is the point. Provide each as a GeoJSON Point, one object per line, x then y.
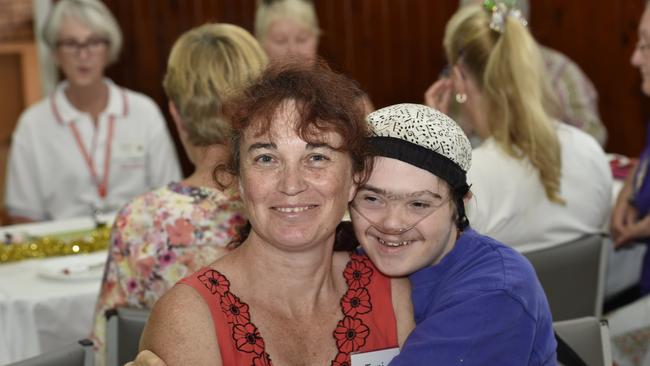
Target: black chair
{"type": "Point", "coordinates": [76, 354]}
{"type": "Point", "coordinates": [573, 276]}
{"type": "Point", "coordinates": [123, 329]}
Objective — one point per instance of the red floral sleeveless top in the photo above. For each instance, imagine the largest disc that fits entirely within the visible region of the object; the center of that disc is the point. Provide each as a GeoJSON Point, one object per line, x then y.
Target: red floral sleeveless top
{"type": "Point", "coordinates": [368, 322]}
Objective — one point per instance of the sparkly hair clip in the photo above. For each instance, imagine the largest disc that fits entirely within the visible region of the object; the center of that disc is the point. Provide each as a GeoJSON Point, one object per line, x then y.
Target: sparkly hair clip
{"type": "Point", "coordinates": [500, 10]}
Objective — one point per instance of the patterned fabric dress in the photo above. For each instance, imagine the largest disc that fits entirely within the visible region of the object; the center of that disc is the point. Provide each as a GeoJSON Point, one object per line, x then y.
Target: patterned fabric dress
{"type": "Point", "coordinates": [160, 238]}
{"type": "Point", "coordinates": [368, 321]}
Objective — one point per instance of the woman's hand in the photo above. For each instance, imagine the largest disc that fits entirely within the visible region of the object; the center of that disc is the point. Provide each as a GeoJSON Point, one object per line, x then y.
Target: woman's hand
{"type": "Point", "coordinates": [146, 358]}
{"type": "Point", "coordinates": [438, 94]}
{"type": "Point", "coordinates": [624, 215]}
{"type": "Point", "coordinates": [634, 230]}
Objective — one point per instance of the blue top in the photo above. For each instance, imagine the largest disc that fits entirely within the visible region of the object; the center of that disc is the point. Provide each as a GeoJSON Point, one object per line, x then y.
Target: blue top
{"type": "Point", "coordinates": [641, 185]}
{"type": "Point", "coordinates": [481, 305]}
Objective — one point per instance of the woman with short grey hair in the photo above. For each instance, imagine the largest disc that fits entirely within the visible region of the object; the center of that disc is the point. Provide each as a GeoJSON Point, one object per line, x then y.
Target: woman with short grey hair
{"type": "Point", "coordinates": [91, 145]}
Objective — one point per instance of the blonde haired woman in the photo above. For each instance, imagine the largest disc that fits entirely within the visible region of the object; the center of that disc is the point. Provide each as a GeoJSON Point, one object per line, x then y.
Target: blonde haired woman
{"type": "Point", "coordinates": [536, 182]}
{"type": "Point", "coordinates": [164, 235]}
{"type": "Point", "coordinates": [287, 29]}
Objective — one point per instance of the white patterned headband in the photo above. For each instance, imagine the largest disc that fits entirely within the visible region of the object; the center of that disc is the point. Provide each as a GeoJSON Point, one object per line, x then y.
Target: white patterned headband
{"type": "Point", "coordinates": [500, 10]}
{"type": "Point", "coordinates": [428, 139]}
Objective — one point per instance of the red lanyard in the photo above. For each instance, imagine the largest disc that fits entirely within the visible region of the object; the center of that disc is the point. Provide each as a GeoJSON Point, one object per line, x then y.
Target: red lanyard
{"type": "Point", "coordinates": [102, 186]}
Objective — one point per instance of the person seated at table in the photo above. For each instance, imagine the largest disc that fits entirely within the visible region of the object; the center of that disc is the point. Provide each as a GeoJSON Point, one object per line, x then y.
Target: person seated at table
{"type": "Point", "coordinates": [630, 221]}
{"type": "Point", "coordinates": [288, 31]}
{"type": "Point", "coordinates": [171, 232]}
{"type": "Point", "coordinates": [577, 98]}
{"type": "Point", "coordinates": [536, 181]}
{"type": "Point", "coordinates": [476, 301]}
{"type": "Point", "coordinates": [299, 150]}
{"type": "Point", "coordinates": [91, 145]}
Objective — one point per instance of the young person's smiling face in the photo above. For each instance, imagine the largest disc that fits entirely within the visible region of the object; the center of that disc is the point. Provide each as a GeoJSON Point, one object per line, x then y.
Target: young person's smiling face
{"type": "Point", "coordinates": [403, 217]}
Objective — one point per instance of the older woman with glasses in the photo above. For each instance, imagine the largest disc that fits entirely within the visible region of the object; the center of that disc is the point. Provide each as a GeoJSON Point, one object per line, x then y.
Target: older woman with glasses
{"type": "Point", "coordinates": [91, 145]}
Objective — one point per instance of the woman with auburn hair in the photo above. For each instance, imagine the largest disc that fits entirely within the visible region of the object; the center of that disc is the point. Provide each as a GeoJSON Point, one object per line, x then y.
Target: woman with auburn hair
{"type": "Point", "coordinates": [166, 234]}
{"type": "Point", "coordinates": [283, 296]}
{"type": "Point", "coordinates": [536, 182]}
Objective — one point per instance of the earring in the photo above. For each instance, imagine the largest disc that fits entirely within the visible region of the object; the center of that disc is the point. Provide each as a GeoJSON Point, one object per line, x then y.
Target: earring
{"type": "Point", "coordinates": [461, 98]}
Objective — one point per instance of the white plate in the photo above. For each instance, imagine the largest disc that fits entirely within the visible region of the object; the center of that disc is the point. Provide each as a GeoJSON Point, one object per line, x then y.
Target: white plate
{"type": "Point", "coordinates": [75, 268]}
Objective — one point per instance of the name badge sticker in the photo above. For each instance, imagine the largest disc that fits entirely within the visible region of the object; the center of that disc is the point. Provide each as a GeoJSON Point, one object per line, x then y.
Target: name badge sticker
{"type": "Point", "coordinates": [374, 358]}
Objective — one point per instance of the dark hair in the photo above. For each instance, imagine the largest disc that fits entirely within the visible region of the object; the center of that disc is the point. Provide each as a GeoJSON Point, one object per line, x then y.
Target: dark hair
{"type": "Point", "coordinates": [326, 101]}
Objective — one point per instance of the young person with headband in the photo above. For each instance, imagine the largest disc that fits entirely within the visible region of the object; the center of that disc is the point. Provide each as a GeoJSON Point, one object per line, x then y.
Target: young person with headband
{"type": "Point", "coordinates": [476, 301]}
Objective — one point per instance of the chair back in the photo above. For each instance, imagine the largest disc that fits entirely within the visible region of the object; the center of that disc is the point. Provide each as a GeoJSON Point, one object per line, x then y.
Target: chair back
{"type": "Point", "coordinates": [123, 329]}
{"type": "Point", "coordinates": [76, 354]}
{"type": "Point", "coordinates": [588, 337]}
{"type": "Point", "coordinates": [573, 276]}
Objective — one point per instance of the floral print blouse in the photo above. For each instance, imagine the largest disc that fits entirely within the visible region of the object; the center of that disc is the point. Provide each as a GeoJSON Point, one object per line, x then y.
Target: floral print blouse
{"type": "Point", "coordinates": [367, 321]}
{"type": "Point", "coordinates": [159, 238]}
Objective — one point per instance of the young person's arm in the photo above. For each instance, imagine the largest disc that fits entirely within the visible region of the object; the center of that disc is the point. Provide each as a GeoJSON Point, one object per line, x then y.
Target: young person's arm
{"type": "Point", "coordinates": [478, 328]}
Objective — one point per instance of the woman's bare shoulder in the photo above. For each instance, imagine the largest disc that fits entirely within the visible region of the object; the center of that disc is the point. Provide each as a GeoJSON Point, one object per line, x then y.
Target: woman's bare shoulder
{"type": "Point", "coordinates": [180, 329]}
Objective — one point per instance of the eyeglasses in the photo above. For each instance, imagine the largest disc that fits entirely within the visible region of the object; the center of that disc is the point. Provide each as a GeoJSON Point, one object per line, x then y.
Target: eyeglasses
{"type": "Point", "coordinates": [71, 47]}
{"type": "Point", "coordinates": [396, 214]}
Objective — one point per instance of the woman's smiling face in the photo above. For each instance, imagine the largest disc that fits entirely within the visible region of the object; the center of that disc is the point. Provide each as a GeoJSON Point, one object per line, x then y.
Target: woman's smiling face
{"type": "Point", "coordinates": [295, 192]}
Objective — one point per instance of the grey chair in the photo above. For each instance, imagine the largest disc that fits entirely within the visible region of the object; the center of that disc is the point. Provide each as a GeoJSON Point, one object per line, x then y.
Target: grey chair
{"type": "Point", "coordinates": [76, 354]}
{"type": "Point", "coordinates": [123, 329]}
{"type": "Point", "coordinates": [588, 337]}
{"type": "Point", "coordinates": [573, 276]}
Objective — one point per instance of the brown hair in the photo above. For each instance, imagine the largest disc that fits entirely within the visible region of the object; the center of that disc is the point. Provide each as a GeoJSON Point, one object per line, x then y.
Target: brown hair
{"type": "Point", "coordinates": [326, 102]}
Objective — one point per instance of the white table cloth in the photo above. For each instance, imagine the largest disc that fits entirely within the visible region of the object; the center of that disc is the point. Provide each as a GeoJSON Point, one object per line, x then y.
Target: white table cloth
{"type": "Point", "coordinates": [40, 312]}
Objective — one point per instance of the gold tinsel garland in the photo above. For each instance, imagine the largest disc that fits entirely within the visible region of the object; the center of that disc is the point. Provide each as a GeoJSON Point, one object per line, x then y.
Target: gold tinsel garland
{"type": "Point", "coordinates": [52, 246]}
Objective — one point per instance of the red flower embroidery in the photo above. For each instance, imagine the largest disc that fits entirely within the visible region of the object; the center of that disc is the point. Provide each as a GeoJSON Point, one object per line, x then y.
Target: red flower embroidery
{"type": "Point", "coordinates": [181, 233]}
{"type": "Point", "coordinates": [350, 334]}
{"type": "Point", "coordinates": [356, 301]}
{"type": "Point", "coordinates": [236, 311]}
{"type": "Point", "coordinates": [263, 360]}
{"type": "Point", "coordinates": [247, 338]}
{"type": "Point", "coordinates": [342, 359]}
{"type": "Point", "coordinates": [215, 282]}
{"type": "Point", "coordinates": [357, 273]}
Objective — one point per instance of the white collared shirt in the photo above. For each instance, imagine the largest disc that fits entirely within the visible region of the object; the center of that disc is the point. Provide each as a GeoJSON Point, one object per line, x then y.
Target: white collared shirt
{"type": "Point", "coordinates": [47, 175]}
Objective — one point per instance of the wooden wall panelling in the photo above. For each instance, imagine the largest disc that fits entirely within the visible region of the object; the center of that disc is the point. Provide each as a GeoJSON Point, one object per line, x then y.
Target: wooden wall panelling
{"type": "Point", "coordinates": [600, 37]}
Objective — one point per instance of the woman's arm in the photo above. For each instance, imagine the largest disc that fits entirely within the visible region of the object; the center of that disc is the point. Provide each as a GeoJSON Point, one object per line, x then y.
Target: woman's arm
{"type": "Point", "coordinates": [180, 330]}
{"type": "Point", "coordinates": [623, 214]}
